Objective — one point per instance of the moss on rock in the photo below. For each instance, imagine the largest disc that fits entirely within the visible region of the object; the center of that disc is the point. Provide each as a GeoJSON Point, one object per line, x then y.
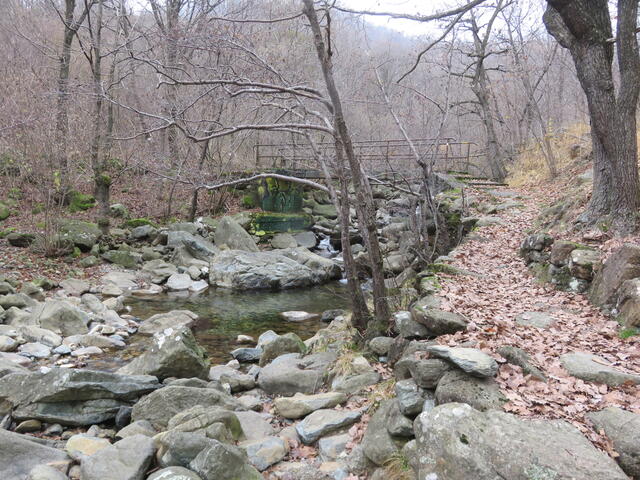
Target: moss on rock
{"type": "Point", "coordinates": [79, 202]}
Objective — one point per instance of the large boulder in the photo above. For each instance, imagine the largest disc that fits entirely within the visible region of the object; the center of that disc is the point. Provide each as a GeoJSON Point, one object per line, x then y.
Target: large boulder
{"type": "Point", "coordinates": [72, 397]}
{"type": "Point", "coordinates": [19, 455]}
{"type": "Point", "coordinates": [127, 459]}
{"type": "Point", "coordinates": [623, 429]}
{"type": "Point", "coordinates": [21, 240]}
{"type": "Point", "coordinates": [457, 442]}
{"type": "Point", "coordinates": [231, 234]}
{"type": "Point", "coordinates": [622, 265]}
{"type": "Point", "coordinates": [83, 235]}
{"type": "Point", "coordinates": [61, 317]}
{"type": "Point", "coordinates": [163, 404]}
{"type": "Point", "coordinates": [281, 269]}
{"type": "Point", "coordinates": [173, 353]}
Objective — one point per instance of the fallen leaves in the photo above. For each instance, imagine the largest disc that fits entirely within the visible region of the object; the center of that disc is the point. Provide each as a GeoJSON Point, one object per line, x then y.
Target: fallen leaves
{"type": "Point", "coordinates": [505, 289]}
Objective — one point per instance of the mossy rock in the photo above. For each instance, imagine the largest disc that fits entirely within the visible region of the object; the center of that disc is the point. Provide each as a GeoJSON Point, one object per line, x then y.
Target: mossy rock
{"type": "Point", "coordinates": [82, 234]}
{"type": "Point", "coordinates": [4, 212]}
{"type": "Point", "coordinates": [45, 283]}
{"type": "Point", "coordinates": [89, 261]}
{"type": "Point", "coordinates": [118, 210]}
{"type": "Point", "coordinates": [272, 222]}
{"type": "Point", "coordinates": [541, 272]}
{"type": "Point", "coordinates": [248, 201]}
{"type": "Point", "coordinates": [123, 258]}
{"type": "Point", "coordinates": [327, 211]}
{"type": "Point", "coordinates": [7, 231]}
{"type": "Point", "coordinates": [79, 202]}
{"type": "Point", "coordinates": [139, 222]}
{"type": "Point", "coordinates": [429, 284]}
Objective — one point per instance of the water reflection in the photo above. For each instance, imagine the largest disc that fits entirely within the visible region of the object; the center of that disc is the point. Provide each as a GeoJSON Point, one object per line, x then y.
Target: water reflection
{"type": "Point", "coordinates": [226, 314]}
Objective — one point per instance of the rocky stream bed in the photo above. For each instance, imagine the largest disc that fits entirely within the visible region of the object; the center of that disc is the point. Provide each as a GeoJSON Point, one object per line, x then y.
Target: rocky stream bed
{"type": "Point", "coordinates": [211, 359]}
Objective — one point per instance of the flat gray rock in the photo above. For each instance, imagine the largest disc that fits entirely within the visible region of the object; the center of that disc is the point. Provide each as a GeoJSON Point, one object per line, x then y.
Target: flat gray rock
{"type": "Point", "coordinates": [70, 396]}
{"type": "Point", "coordinates": [19, 455]}
{"type": "Point", "coordinates": [300, 405]}
{"type": "Point", "coordinates": [589, 367]}
{"type": "Point", "coordinates": [535, 319]}
{"type": "Point", "coordinates": [471, 360]}
{"type": "Point", "coordinates": [265, 452]}
{"type": "Point", "coordinates": [324, 421]}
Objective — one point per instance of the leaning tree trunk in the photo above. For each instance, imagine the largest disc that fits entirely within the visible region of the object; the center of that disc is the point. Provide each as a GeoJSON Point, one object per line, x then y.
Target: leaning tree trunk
{"type": "Point", "coordinates": [584, 28]}
{"type": "Point", "coordinates": [366, 210]}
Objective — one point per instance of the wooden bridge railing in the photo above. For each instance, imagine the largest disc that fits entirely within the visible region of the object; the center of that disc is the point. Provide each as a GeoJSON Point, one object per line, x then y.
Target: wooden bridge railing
{"type": "Point", "coordinates": [376, 156]}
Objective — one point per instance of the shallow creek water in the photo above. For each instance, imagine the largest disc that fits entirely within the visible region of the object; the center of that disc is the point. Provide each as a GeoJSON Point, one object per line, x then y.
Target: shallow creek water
{"type": "Point", "coordinates": [226, 314]}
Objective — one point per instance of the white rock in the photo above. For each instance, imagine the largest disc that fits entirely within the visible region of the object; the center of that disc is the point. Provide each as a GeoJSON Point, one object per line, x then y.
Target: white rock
{"type": "Point", "coordinates": [297, 316]}
{"type": "Point", "coordinates": [199, 286]}
{"type": "Point", "coordinates": [179, 281]}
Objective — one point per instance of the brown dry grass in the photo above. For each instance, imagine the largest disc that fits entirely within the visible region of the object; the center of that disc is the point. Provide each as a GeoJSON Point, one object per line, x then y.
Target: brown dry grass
{"type": "Point", "coordinates": [530, 169]}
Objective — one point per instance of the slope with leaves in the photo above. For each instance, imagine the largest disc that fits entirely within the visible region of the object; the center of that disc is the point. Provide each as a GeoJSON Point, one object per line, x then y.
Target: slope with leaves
{"type": "Point", "coordinates": [503, 289]}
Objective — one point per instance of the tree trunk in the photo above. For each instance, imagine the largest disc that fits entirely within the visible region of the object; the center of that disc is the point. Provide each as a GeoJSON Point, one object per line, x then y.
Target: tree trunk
{"type": "Point", "coordinates": [62, 103]}
{"type": "Point", "coordinates": [194, 198]}
{"type": "Point", "coordinates": [102, 181]}
{"type": "Point", "coordinates": [585, 29]}
{"type": "Point", "coordinates": [366, 210]}
{"type": "Point", "coordinates": [172, 34]}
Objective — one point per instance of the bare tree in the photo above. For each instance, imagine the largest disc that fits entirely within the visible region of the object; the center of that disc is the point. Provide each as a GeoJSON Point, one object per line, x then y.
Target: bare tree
{"type": "Point", "coordinates": [532, 112]}
{"type": "Point", "coordinates": [71, 24]}
{"type": "Point", "coordinates": [478, 73]}
{"type": "Point", "coordinates": [585, 29]}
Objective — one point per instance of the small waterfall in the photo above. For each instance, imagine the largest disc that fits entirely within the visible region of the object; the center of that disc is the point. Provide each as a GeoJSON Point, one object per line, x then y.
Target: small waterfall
{"type": "Point", "coordinates": [324, 248]}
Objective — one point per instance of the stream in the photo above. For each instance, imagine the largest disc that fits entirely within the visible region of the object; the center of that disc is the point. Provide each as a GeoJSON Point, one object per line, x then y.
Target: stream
{"type": "Point", "coordinates": [225, 314]}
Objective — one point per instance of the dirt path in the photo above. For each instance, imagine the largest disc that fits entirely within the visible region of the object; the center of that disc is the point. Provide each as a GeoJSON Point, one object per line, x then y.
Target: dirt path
{"type": "Point", "coordinates": [503, 289]}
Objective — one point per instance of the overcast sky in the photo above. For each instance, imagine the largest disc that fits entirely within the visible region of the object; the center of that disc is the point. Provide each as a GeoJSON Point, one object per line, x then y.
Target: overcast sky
{"type": "Point", "coordinates": [408, 27]}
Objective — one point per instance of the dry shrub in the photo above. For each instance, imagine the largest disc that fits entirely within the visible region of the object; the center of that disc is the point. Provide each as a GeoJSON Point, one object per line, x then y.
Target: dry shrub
{"type": "Point", "coordinates": [398, 468]}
